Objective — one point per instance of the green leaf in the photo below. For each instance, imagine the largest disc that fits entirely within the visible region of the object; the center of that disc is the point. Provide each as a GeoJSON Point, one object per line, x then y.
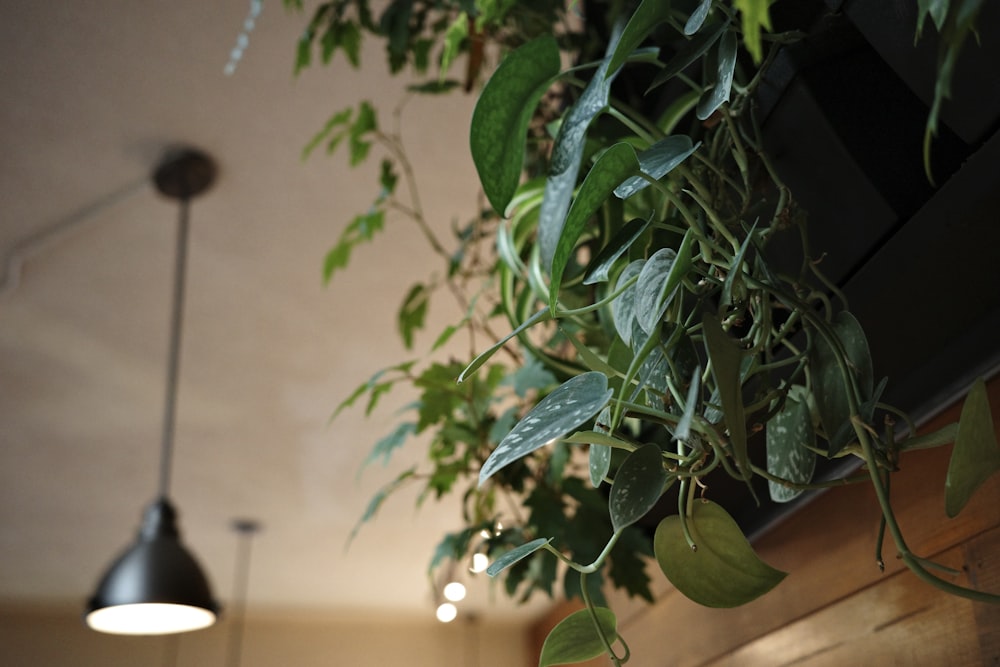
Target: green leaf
{"type": "Point", "coordinates": [691, 51]}
{"type": "Point", "coordinates": [683, 429]}
{"type": "Point", "coordinates": [697, 18]}
{"type": "Point", "coordinates": [614, 166]}
{"type": "Point", "coordinates": [362, 228]}
{"type": "Point", "coordinates": [384, 448]}
{"type": "Point", "coordinates": [734, 279]}
{"type": "Point", "coordinates": [830, 386]}
{"type": "Point", "coordinates": [790, 444]}
{"type": "Point", "coordinates": [755, 16]}
{"type": "Point", "coordinates": [723, 570]}
{"type": "Point", "coordinates": [503, 111]}
{"type": "Point", "coordinates": [341, 119]}
{"type": "Point", "coordinates": [514, 555]}
{"type": "Point", "coordinates": [380, 497]}
{"type": "Point", "coordinates": [456, 33]}
{"type": "Point", "coordinates": [543, 315]}
{"type": "Point", "coordinates": [718, 92]}
{"type": "Point", "coordinates": [599, 456]}
{"type": "Point", "coordinates": [531, 375]}
{"type": "Point", "coordinates": [976, 454]}
{"type": "Point", "coordinates": [567, 407]}
{"type": "Point", "coordinates": [629, 570]}
{"type": "Point", "coordinates": [623, 308]}
{"type": "Point", "coordinates": [412, 313]}
{"type": "Point", "coordinates": [647, 16]}
{"type": "Point", "coordinates": [600, 267]}
{"type": "Point", "coordinates": [936, 9]}
{"type": "Point", "coordinates": [434, 87]}
{"type": "Point", "coordinates": [658, 281]}
{"type": "Point", "coordinates": [638, 485]}
{"type": "Point", "coordinates": [364, 124]}
{"type": "Point", "coordinates": [567, 154]}
{"type": "Point", "coordinates": [657, 161]}
{"type": "Point", "coordinates": [370, 384]}
{"type": "Point", "coordinates": [575, 638]}
{"type": "Point", "coordinates": [726, 357]}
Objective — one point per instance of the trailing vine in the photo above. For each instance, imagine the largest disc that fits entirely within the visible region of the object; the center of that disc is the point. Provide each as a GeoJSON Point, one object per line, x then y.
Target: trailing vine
{"type": "Point", "coordinates": [656, 335]}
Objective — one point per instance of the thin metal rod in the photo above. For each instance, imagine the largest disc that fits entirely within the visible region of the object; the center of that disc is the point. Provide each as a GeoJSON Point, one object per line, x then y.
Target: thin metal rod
{"type": "Point", "coordinates": [174, 350]}
{"type": "Point", "coordinates": [241, 583]}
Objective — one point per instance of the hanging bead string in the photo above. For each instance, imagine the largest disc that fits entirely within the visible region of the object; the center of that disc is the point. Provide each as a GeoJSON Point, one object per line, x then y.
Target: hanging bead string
{"type": "Point", "coordinates": [243, 39]}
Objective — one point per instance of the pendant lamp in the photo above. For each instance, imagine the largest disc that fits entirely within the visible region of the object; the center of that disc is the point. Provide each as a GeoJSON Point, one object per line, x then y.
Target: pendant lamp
{"type": "Point", "coordinates": [156, 586]}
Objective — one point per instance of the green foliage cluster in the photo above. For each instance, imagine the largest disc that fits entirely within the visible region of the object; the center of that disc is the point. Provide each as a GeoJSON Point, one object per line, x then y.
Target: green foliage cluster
{"type": "Point", "coordinates": [654, 326]}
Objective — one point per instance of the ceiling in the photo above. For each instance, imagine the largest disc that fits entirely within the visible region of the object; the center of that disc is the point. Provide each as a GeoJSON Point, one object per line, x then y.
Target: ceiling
{"type": "Point", "coordinates": [95, 94]}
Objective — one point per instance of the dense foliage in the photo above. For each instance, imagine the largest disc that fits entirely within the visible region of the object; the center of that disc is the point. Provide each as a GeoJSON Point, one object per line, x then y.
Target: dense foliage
{"type": "Point", "coordinates": [654, 332]}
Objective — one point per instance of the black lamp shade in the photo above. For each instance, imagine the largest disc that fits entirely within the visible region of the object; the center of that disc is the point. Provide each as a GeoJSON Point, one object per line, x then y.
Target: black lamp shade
{"type": "Point", "coordinates": [156, 586]}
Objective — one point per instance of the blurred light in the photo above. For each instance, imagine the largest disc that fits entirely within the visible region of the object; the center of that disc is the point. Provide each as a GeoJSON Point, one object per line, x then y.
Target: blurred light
{"type": "Point", "coordinates": [447, 612]}
{"type": "Point", "coordinates": [480, 562]}
{"type": "Point", "coordinates": [454, 591]}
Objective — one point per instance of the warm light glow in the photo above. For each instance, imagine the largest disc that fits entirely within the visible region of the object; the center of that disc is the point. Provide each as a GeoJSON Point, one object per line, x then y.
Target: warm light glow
{"type": "Point", "coordinates": [454, 591]}
{"type": "Point", "coordinates": [447, 612]}
{"type": "Point", "coordinates": [149, 618]}
{"type": "Point", "coordinates": [480, 562]}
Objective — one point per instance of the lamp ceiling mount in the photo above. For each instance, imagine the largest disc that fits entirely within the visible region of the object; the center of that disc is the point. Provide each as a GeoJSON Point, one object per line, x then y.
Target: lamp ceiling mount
{"type": "Point", "coordinates": [184, 174]}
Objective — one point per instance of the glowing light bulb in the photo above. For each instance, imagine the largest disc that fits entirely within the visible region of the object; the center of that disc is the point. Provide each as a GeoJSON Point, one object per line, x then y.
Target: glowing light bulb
{"type": "Point", "coordinates": [480, 562]}
{"type": "Point", "coordinates": [454, 591]}
{"type": "Point", "coordinates": [447, 612]}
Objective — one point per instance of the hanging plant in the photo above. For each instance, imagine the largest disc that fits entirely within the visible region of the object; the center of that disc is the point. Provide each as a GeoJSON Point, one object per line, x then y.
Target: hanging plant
{"type": "Point", "coordinates": [656, 335]}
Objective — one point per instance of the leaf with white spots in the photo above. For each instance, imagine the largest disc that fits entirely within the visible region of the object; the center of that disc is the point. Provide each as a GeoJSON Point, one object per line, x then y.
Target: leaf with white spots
{"type": "Point", "coordinates": [623, 308]}
{"type": "Point", "coordinates": [600, 455]}
{"type": "Point", "coordinates": [790, 436]}
{"type": "Point", "coordinates": [515, 555]}
{"type": "Point", "coordinates": [638, 485]}
{"type": "Point", "coordinates": [567, 407]}
{"type": "Point", "coordinates": [650, 302]}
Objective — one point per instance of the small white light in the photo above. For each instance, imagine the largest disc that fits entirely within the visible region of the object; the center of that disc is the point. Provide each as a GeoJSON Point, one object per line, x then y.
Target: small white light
{"type": "Point", "coordinates": [485, 534]}
{"type": "Point", "coordinates": [447, 612]}
{"type": "Point", "coordinates": [454, 591]}
{"type": "Point", "coordinates": [480, 562]}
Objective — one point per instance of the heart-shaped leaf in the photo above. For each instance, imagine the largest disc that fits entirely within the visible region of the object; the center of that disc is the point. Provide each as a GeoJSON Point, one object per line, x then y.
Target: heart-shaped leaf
{"type": "Point", "coordinates": [515, 555]}
{"type": "Point", "coordinates": [724, 570]}
{"type": "Point", "coordinates": [503, 111]}
{"type": "Point", "coordinates": [975, 455]}
{"type": "Point", "coordinates": [567, 407]}
{"type": "Point", "coordinates": [623, 308]}
{"type": "Point", "coordinates": [614, 166]}
{"type": "Point", "coordinates": [790, 434]}
{"type": "Point", "coordinates": [657, 161]}
{"type": "Point", "coordinates": [650, 302]}
{"type": "Point", "coordinates": [638, 485]}
{"type": "Point", "coordinates": [575, 639]}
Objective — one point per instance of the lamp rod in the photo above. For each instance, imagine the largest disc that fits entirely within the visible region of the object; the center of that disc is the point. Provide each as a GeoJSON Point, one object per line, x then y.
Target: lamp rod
{"type": "Point", "coordinates": [174, 350]}
{"type": "Point", "coordinates": [183, 174]}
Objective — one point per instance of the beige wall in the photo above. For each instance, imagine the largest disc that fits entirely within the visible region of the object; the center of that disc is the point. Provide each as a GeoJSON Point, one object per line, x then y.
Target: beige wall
{"type": "Point", "coordinates": [54, 637]}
